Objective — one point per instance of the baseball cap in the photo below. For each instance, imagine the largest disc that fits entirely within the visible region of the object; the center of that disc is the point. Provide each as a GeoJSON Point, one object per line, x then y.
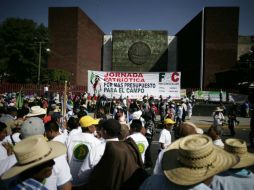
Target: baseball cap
{"type": "Point", "coordinates": [32, 126]}
{"type": "Point", "coordinates": [87, 121]}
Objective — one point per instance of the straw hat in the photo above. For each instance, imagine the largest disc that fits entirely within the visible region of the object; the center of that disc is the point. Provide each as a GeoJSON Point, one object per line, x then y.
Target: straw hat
{"type": "Point", "coordinates": [194, 158]}
{"type": "Point", "coordinates": [218, 109]}
{"type": "Point", "coordinates": [238, 147]}
{"type": "Point", "coordinates": [35, 111]}
{"type": "Point", "coordinates": [32, 152]}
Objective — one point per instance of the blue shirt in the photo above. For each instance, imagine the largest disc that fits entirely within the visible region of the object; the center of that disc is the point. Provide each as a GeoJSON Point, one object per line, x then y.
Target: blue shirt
{"type": "Point", "coordinates": [30, 184]}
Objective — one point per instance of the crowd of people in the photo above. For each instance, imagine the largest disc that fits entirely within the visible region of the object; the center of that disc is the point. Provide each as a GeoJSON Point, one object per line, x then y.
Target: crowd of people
{"type": "Point", "coordinates": [42, 147]}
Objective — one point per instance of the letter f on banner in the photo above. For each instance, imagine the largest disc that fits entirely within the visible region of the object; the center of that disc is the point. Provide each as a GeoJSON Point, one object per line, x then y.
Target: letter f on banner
{"type": "Point", "coordinates": [161, 76]}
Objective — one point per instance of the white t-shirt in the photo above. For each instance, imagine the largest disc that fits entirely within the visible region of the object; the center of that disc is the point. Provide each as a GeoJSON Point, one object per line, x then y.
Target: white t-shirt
{"type": "Point", "coordinates": [81, 146]}
{"type": "Point", "coordinates": [141, 142]}
{"type": "Point", "coordinates": [15, 138]}
{"type": "Point", "coordinates": [219, 143]}
{"type": "Point", "coordinates": [6, 162]}
{"type": "Point", "coordinates": [61, 173]}
{"type": "Point", "coordinates": [165, 137]}
{"type": "Point", "coordinates": [72, 133]}
{"type": "Point", "coordinates": [61, 138]}
{"type": "Point", "coordinates": [158, 168]}
{"type": "Point", "coordinates": [88, 165]}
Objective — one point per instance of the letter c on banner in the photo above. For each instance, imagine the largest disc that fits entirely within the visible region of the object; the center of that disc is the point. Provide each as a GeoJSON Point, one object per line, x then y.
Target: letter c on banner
{"type": "Point", "coordinates": [175, 77]}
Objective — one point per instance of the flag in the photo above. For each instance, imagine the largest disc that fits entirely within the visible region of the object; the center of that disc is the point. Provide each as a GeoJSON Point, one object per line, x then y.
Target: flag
{"type": "Point", "coordinates": [19, 100]}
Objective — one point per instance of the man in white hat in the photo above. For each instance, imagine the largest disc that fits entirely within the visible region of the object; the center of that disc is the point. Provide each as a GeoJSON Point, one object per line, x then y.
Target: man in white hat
{"type": "Point", "coordinates": [35, 162]}
{"type": "Point", "coordinates": [190, 163]}
{"type": "Point", "coordinates": [218, 117]}
{"type": "Point", "coordinates": [239, 177]}
{"type": "Point", "coordinates": [61, 176]}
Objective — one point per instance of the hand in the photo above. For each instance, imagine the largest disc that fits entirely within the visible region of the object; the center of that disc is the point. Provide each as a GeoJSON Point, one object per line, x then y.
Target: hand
{"type": "Point", "coordinates": [8, 147]}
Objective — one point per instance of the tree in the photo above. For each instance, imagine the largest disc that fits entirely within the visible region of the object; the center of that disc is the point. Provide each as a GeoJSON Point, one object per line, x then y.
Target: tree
{"type": "Point", "coordinates": [19, 43]}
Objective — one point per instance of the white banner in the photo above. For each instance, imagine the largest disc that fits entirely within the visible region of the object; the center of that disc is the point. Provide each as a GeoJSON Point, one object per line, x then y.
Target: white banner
{"type": "Point", "coordinates": [134, 85]}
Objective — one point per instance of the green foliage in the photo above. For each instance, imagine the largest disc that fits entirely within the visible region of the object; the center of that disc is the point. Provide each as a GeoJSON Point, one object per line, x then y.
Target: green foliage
{"type": "Point", "coordinates": [55, 76]}
{"type": "Point", "coordinates": [20, 49]}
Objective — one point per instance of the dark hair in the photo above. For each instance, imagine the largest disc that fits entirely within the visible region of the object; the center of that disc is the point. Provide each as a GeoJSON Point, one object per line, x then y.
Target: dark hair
{"type": "Point", "coordinates": [22, 112]}
{"type": "Point", "coordinates": [31, 171]}
{"type": "Point", "coordinates": [51, 125]}
{"type": "Point", "coordinates": [72, 123]}
{"type": "Point", "coordinates": [136, 125]}
{"type": "Point", "coordinates": [81, 113]}
{"type": "Point", "coordinates": [111, 126]}
{"type": "Point", "coordinates": [2, 126]}
{"type": "Point", "coordinates": [11, 109]}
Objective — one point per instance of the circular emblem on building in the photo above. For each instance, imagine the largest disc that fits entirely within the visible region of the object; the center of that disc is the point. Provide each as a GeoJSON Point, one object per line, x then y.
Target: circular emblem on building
{"type": "Point", "coordinates": [139, 53]}
{"type": "Point", "coordinates": [80, 151]}
{"type": "Point", "coordinates": [141, 148]}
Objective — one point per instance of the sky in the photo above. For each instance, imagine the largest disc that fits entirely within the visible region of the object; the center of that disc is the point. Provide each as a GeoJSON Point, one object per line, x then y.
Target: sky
{"type": "Point", "coordinates": [170, 15]}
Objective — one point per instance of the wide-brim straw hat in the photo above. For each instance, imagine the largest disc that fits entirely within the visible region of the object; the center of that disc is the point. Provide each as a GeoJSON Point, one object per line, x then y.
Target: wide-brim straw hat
{"type": "Point", "coordinates": [218, 109]}
{"type": "Point", "coordinates": [35, 111]}
{"type": "Point", "coordinates": [194, 158]}
{"type": "Point", "coordinates": [238, 147]}
{"type": "Point", "coordinates": [32, 152]}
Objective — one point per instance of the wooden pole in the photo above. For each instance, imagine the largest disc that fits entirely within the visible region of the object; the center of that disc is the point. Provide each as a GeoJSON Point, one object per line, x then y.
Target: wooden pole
{"type": "Point", "coordinates": [65, 98]}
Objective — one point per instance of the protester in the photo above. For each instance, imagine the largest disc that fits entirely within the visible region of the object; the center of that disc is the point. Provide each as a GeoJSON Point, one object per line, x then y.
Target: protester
{"type": "Point", "coordinates": [190, 163]}
{"type": "Point", "coordinates": [120, 166]}
{"type": "Point", "coordinates": [7, 158]}
{"type": "Point", "coordinates": [239, 177]}
{"type": "Point", "coordinates": [218, 117]}
{"type": "Point", "coordinates": [185, 129]}
{"type": "Point", "coordinates": [9, 118]}
{"type": "Point", "coordinates": [165, 136]}
{"type": "Point", "coordinates": [61, 177]}
{"type": "Point", "coordinates": [35, 162]}
{"type": "Point", "coordinates": [215, 132]}
{"type": "Point", "coordinates": [138, 137]}
{"type": "Point", "coordinates": [82, 151]}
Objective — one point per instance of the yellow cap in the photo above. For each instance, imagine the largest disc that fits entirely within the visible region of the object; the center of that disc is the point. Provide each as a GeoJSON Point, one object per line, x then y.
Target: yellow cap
{"type": "Point", "coordinates": [169, 121]}
{"type": "Point", "coordinates": [87, 121]}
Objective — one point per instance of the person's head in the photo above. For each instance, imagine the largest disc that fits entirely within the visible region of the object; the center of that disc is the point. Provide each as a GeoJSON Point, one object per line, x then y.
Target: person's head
{"type": "Point", "coordinates": [215, 132]}
{"type": "Point", "coordinates": [238, 147]}
{"type": "Point", "coordinates": [186, 129]}
{"type": "Point", "coordinates": [110, 128]}
{"type": "Point", "coordinates": [35, 158]}
{"type": "Point", "coordinates": [168, 123]}
{"type": "Point", "coordinates": [51, 129]}
{"type": "Point", "coordinates": [136, 125]}
{"type": "Point", "coordinates": [81, 113]}
{"type": "Point", "coordinates": [119, 111]}
{"type": "Point", "coordinates": [11, 110]}
{"type": "Point", "coordinates": [32, 126]}
{"type": "Point", "coordinates": [194, 159]}
{"type": "Point", "coordinates": [3, 131]}
{"type": "Point", "coordinates": [37, 111]}
{"type": "Point", "coordinates": [218, 110]}
{"type": "Point", "coordinates": [88, 124]}
{"type": "Point", "coordinates": [72, 123]}
{"type": "Point", "coordinates": [56, 117]}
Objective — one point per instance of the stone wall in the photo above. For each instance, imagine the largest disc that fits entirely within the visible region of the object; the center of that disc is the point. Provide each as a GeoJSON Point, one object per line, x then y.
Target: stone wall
{"type": "Point", "coordinates": [139, 50]}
